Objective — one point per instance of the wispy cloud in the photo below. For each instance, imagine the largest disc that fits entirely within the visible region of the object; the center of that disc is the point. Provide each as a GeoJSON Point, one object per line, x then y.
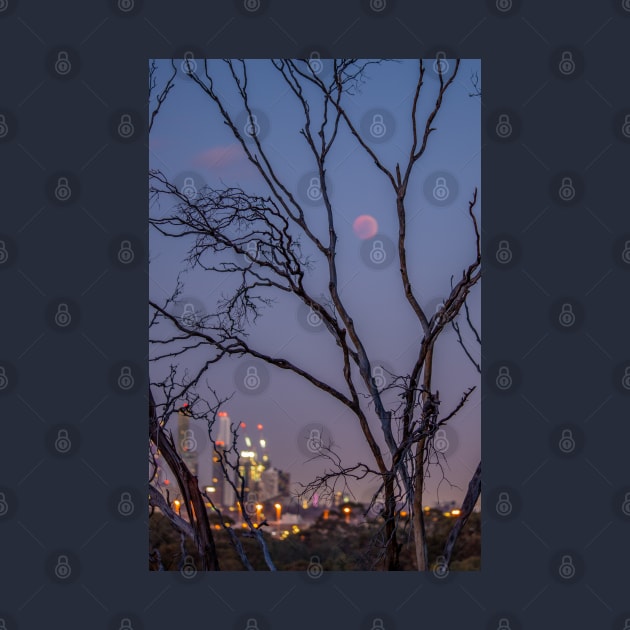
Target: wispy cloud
{"type": "Point", "coordinates": [221, 156]}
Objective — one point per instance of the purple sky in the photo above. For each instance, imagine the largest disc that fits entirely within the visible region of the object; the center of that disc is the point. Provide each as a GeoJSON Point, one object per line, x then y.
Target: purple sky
{"type": "Point", "coordinates": [190, 140]}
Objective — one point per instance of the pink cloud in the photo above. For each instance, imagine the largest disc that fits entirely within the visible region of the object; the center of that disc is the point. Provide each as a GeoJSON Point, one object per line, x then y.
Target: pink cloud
{"type": "Point", "coordinates": [218, 157]}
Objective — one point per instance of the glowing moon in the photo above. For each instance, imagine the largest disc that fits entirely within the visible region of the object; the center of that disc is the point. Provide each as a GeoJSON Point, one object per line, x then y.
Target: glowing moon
{"type": "Point", "coordinates": [365, 226]}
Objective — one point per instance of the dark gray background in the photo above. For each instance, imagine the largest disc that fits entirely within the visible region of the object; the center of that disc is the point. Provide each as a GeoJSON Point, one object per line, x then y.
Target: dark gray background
{"type": "Point", "coordinates": [566, 381]}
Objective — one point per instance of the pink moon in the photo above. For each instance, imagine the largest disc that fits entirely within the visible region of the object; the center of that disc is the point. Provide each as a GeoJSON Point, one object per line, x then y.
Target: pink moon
{"type": "Point", "coordinates": [365, 226]}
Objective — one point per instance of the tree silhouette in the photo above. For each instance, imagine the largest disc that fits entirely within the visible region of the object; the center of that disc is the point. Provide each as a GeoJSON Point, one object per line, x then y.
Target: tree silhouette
{"type": "Point", "coordinates": [266, 237]}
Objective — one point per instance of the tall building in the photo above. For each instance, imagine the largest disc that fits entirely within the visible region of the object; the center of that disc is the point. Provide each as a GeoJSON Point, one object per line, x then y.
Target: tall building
{"type": "Point", "coordinates": [246, 469]}
{"type": "Point", "coordinates": [284, 483]}
{"type": "Point", "coordinates": [270, 479]}
{"type": "Point", "coordinates": [187, 446]}
{"type": "Point", "coordinates": [224, 493]}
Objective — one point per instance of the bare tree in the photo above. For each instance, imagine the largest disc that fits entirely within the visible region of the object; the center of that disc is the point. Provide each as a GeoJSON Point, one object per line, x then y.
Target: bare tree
{"type": "Point", "coordinates": [275, 226]}
{"type": "Point", "coordinates": [197, 526]}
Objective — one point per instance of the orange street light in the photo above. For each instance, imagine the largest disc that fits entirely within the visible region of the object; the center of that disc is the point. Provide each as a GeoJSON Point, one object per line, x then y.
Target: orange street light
{"type": "Point", "coordinates": [278, 511]}
{"type": "Point", "coordinates": [259, 508]}
{"type": "Point", "coordinates": [347, 511]}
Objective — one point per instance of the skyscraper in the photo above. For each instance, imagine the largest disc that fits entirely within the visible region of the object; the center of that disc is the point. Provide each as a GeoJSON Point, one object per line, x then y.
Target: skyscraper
{"type": "Point", "coordinates": [225, 493]}
{"type": "Point", "coordinates": [224, 434]}
{"type": "Point", "coordinates": [270, 479]}
{"type": "Point", "coordinates": [187, 446]}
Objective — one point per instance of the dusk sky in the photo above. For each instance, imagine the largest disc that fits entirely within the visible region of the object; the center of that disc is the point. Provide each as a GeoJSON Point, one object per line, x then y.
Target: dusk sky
{"type": "Point", "coordinates": [190, 142]}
